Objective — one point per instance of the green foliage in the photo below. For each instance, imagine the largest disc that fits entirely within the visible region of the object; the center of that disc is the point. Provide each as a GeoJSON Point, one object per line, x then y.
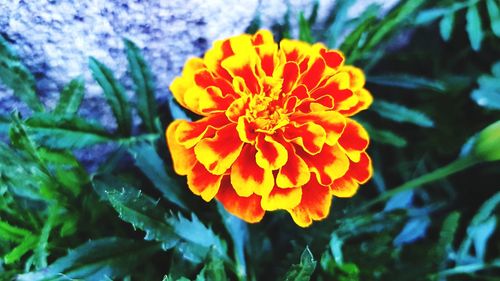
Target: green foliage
{"type": "Point", "coordinates": [304, 270]}
{"type": "Point", "coordinates": [488, 93]}
{"type": "Point", "coordinates": [71, 97]}
{"type": "Point", "coordinates": [17, 77]}
{"type": "Point", "coordinates": [115, 95]}
{"type": "Point", "coordinates": [399, 113]}
{"type": "Point", "coordinates": [144, 86]}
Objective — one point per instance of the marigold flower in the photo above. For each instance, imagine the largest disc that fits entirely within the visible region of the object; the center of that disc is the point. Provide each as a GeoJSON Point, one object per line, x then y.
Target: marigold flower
{"type": "Point", "coordinates": [275, 132]}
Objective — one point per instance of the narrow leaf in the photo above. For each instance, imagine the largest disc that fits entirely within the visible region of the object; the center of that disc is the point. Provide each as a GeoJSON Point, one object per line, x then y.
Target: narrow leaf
{"type": "Point", "coordinates": [17, 77]}
{"type": "Point", "coordinates": [114, 93]}
{"type": "Point", "coordinates": [494, 13]}
{"type": "Point", "coordinates": [407, 81]}
{"type": "Point", "coordinates": [447, 235]}
{"type": "Point", "coordinates": [474, 27]}
{"type": "Point", "coordinates": [304, 29]}
{"type": "Point", "coordinates": [103, 259]}
{"type": "Point", "coordinates": [144, 85]}
{"type": "Point", "coordinates": [71, 97]}
{"type": "Point", "coordinates": [488, 93]}
{"type": "Point", "coordinates": [304, 270]}
{"type": "Point", "coordinates": [339, 19]}
{"type": "Point", "coordinates": [150, 163]}
{"type": "Point", "coordinates": [446, 26]}
{"type": "Point", "coordinates": [20, 250]}
{"type": "Point", "coordinates": [399, 113]}
{"type": "Point", "coordinates": [65, 132]}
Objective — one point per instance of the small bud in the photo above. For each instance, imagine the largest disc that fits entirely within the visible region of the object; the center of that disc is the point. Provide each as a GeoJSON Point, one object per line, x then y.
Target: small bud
{"type": "Point", "coordinates": [487, 144]}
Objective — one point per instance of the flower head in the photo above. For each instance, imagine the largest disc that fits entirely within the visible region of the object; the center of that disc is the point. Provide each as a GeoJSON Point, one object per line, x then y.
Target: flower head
{"type": "Point", "coordinates": [275, 132]}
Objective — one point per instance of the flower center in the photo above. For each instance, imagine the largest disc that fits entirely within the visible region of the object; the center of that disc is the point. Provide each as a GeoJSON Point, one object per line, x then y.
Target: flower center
{"type": "Point", "coordinates": [265, 110]}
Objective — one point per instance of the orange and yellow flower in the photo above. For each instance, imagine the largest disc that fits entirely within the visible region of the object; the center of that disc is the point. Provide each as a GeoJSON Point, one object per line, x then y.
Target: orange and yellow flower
{"type": "Point", "coordinates": [275, 132]}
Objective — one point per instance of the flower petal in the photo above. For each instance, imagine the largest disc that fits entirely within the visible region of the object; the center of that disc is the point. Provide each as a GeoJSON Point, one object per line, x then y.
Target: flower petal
{"type": "Point", "coordinates": [202, 182]}
{"type": "Point", "coordinates": [183, 159]}
{"type": "Point", "coordinates": [280, 198]}
{"type": "Point", "coordinates": [344, 187]}
{"type": "Point", "coordinates": [313, 75]}
{"type": "Point", "coordinates": [314, 204]}
{"type": "Point", "coordinates": [295, 172]}
{"type": "Point", "coordinates": [247, 177]}
{"type": "Point", "coordinates": [362, 170]}
{"type": "Point", "coordinates": [332, 122]}
{"type": "Point", "coordinates": [217, 154]}
{"type": "Point", "coordinates": [246, 208]}
{"type": "Point", "coordinates": [310, 136]}
{"type": "Point", "coordinates": [354, 140]}
{"type": "Point", "coordinates": [270, 153]}
{"type": "Point", "coordinates": [190, 133]}
{"type": "Point", "coordinates": [328, 165]}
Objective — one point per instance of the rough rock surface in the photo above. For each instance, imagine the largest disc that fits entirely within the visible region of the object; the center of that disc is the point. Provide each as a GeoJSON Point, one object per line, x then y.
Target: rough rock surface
{"type": "Point", "coordinates": [55, 38]}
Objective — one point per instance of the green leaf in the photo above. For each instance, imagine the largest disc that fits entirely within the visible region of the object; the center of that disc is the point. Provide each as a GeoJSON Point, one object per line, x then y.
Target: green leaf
{"type": "Point", "coordinates": [115, 95]}
{"type": "Point", "coordinates": [65, 132]}
{"type": "Point", "coordinates": [254, 25]}
{"type": "Point", "coordinates": [304, 270]}
{"type": "Point", "coordinates": [385, 136]}
{"type": "Point", "coordinates": [407, 81]}
{"type": "Point", "coordinates": [213, 270]}
{"type": "Point", "coordinates": [96, 260]}
{"type": "Point", "coordinates": [494, 13]}
{"type": "Point", "coordinates": [488, 93]}
{"type": "Point", "coordinates": [147, 159]}
{"type": "Point", "coordinates": [12, 233]}
{"type": "Point", "coordinates": [144, 85]}
{"type": "Point", "coordinates": [71, 97]}
{"type": "Point", "coordinates": [28, 244]}
{"type": "Point", "coordinates": [41, 250]}
{"type": "Point", "coordinates": [4, 124]}
{"type": "Point", "coordinates": [144, 213]}
{"type": "Point", "coordinates": [357, 37]}
{"type": "Point", "coordinates": [238, 230]}
{"type": "Point", "coordinates": [304, 29]}
{"type": "Point", "coordinates": [397, 17]}
{"type": "Point", "coordinates": [447, 235]}
{"type": "Point", "coordinates": [399, 113]}
{"type": "Point", "coordinates": [336, 28]}
{"type": "Point", "coordinates": [446, 26]}
{"type": "Point", "coordinates": [474, 27]}
{"type": "Point", "coordinates": [17, 77]}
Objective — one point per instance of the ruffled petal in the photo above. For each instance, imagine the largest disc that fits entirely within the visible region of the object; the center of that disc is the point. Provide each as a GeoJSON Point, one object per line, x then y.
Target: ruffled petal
{"type": "Point", "coordinates": [183, 159]}
{"type": "Point", "coordinates": [295, 172]}
{"type": "Point", "coordinates": [332, 122]}
{"type": "Point", "coordinates": [203, 183]}
{"type": "Point", "coordinates": [190, 133]}
{"type": "Point", "coordinates": [354, 140]}
{"type": "Point", "coordinates": [344, 187]}
{"type": "Point", "coordinates": [270, 153]}
{"type": "Point", "coordinates": [281, 199]}
{"type": "Point", "coordinates": [314, 204]}
{"type": "Point", "coordinates": [328, 165]}
{"type": "Point", "coordinates": [362, 170]}
{"type": "Point", "coordinates": [247, 177]}
{"type": "Point", "coordinates": [245, 208]}
{"type": "Point", "coordinates": [310, 136]}
{"type": "Point", "coordinates": [217, 154]}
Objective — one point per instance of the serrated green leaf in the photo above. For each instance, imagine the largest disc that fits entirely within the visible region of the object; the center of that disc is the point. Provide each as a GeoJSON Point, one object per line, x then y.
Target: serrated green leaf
{"type": "Point", "coordinates": [17, 77]}
{"type": "Point", "coordinates": [65, 132]}
{"type": "Point", "coordinates": [354, 39]}
{"type": "Point", "coordinates": [147, 159]}
{"type": "Point", "coordinates": [40, 253]}
{"type": "Point", "coordinates": [144, 213]}
{"type": "Point", "coordinates": [407, 81]}
{"type": "Point", "coordinates": [96, 260]}
{"type": "Point", "coordinates": [446, 26]}
{"type": "Point", "coordinates": [304, 29]}
{"type": "Point", "coordinates": [399, 113]}
{"type": "Point", "coordinates": [71, 97]}
{"type": "Point", "coordinates": [494, 13]}
{"type": "Point", "coordinates": [115, 95]}
{"type": "Point", "coordinates": [144, 85]}
{"type": "Point", "coordinates": [474, 27]}
{"type": "Point", "coordinates": [213, 270]}
{"type": "Point", "coordinates": [304, 270]}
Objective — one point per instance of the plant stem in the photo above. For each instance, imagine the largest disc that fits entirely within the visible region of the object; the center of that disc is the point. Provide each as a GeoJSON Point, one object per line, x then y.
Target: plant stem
{"type": "Point", "coordinates": [454, 167]}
